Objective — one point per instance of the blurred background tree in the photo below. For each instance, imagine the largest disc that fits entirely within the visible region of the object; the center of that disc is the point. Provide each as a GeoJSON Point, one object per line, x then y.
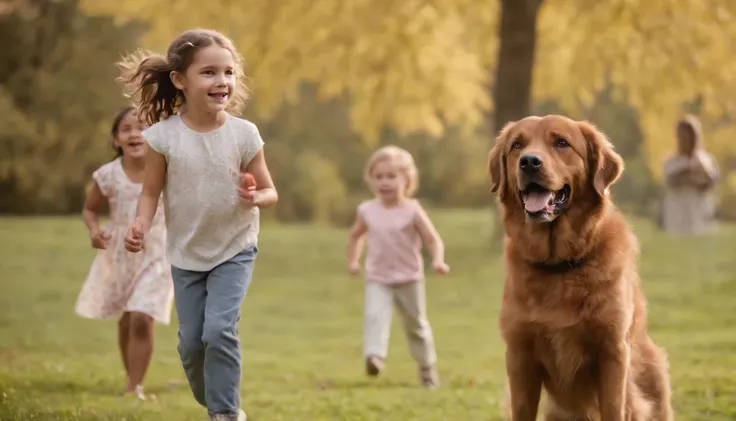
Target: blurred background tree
{"type": "Point", "coordinates": [57, 95]}
{"type": "Point", "coordinates": [332, 80]}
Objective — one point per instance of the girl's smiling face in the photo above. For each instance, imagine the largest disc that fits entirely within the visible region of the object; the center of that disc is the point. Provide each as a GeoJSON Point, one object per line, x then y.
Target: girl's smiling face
{"type": "Point", "coordinates": [128, 137]}
{"type": "Point", "coordinates": [210, 79]}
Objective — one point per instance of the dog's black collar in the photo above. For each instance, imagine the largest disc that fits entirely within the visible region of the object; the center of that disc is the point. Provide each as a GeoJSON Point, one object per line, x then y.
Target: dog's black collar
{"type": "Point", "coordinates": [558, 267]}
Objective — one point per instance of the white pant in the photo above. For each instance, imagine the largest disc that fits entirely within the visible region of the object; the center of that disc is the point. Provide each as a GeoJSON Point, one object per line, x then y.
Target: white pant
{"type": "Point", "coordinates": [410, 300]}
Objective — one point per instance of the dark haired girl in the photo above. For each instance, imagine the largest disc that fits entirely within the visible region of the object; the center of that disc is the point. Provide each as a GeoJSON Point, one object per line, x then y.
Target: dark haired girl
{"type": "Point", "coordinates": [136, 289]}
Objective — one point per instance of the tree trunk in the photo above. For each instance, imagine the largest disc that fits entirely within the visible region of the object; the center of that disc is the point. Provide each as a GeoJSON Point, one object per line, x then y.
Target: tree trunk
{"type": "Point", "coordinates": [515, 66]}
{"type": "Point", "coordinates": [513, 82]}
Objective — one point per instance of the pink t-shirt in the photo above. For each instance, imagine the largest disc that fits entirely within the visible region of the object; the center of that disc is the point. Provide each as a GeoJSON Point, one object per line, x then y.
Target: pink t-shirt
{"type": "Point", "coordinates": [393, 242]}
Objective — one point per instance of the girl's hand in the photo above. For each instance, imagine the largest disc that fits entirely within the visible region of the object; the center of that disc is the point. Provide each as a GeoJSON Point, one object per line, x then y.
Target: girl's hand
{"type": "Point", "coordinates": [440, 268]}
{"type": "Point", "coordinates": [247, 189]}
{"type": "Point", "coordinates": [134, 238]}
{"type": "Point", "coordinates": [100, 239]}
{"type": "Point", "coordinates": [354, 268]}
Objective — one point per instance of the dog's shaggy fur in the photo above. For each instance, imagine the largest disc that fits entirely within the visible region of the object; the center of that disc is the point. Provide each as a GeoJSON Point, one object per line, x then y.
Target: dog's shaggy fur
{"type": "Point", "coordinates": [573, 315]}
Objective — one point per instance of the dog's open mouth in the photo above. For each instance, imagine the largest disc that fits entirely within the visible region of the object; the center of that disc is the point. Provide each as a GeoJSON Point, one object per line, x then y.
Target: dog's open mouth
{"type": "Point", "coordinates": [540, 201]}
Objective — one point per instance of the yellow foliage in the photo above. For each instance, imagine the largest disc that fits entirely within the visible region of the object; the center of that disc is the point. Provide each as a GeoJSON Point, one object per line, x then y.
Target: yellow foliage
{"type": "Point", "coordinates": [721, 141]}
{"type": "Point", "coordinates": [319, 185]}
{"type": "Point", "coordinates": [409, 64]}
{"type": "Point", "coordinates": [731, 182]}
{"type": "Point", "coordinates": [418, 65]}
{"type": "Point", "coordinates": [659, 54]}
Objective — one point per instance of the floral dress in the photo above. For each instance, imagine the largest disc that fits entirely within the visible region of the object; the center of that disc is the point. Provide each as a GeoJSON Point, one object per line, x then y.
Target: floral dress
{"type": "Point", "coordinates": [119, 281]}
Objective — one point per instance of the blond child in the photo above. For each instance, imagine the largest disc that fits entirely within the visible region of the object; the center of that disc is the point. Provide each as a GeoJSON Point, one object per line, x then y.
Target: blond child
{"type": "Point", "coordinates": [395, 225]}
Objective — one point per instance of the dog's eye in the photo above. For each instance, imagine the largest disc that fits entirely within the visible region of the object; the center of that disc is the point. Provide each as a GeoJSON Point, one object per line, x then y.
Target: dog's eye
{"type": "Point", "coordinates": [516, 145]}
{"type": "Point", "coordinates": [561, 143]}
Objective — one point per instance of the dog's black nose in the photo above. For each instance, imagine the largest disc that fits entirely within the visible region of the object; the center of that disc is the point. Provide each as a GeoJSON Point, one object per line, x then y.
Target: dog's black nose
{"type": "Point", "coordinates": [530, 163]}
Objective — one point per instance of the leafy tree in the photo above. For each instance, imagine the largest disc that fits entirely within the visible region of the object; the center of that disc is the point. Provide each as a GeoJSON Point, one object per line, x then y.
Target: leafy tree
{"type": "Point", "coordinates": [412, 65]}
{"type": "Point", "coordinates": [424, 65]}
{"type": "Point", "coordinates": [57, 99]}
{"type": "Point", "coordinates": [658, 56]}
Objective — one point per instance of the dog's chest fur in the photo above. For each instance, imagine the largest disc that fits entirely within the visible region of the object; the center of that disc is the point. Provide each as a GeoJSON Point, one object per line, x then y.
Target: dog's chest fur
{"type": "Point", "coordinates": [564, 316]}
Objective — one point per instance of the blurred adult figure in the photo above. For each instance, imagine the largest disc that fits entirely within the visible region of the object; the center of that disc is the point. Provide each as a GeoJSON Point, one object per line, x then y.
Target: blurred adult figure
{"type": "Point", "coordinates": [690, 176]}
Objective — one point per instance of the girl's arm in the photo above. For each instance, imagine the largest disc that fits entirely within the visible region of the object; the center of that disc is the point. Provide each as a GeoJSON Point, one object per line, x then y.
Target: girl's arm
{"type": "Point", "coordinates": [92, 207]}
{"type": "Point", "coordinates": [431, 239]}
{"type": "Point", "coordinates": [153, 183]}
{"type": "Point", "coordinates": [91, 212]}
{"type": "Point", "coordinates": [355, 243]}
{"type": "Point", "coordinates": [265, 195]}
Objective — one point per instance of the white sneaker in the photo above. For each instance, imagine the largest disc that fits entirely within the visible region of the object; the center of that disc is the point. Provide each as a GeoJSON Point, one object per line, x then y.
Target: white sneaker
{"type": "Point", "coordinates": [222, 417]}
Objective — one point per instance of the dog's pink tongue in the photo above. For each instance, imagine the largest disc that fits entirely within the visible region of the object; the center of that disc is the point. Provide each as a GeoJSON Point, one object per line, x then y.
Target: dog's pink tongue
{"type": "Point", "coordinates": [536, 201]}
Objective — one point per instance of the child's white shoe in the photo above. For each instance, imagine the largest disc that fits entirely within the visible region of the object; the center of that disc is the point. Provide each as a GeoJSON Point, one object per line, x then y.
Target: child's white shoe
{"type": "Point", "coordinates": [223, 417]}
{"type": "Point", "coordinates": [373, 365]}
{"type": "Point", "coordinates": [429, 377]}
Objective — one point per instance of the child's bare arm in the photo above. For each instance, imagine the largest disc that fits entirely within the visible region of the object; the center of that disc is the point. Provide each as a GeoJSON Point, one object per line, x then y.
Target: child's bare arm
{"type": "Point", "coordinates": [153, 184]}
{"type": "Point", "coordinates": [431, 239]}
{"type": "Point", "coordinates": [91, 216]}
{"type": "Point", "coordinates": [265, 195]}
{"type": "Point", "coordinates": [92, 208]}
{"type": "Point", "coordinates": [355, 243]}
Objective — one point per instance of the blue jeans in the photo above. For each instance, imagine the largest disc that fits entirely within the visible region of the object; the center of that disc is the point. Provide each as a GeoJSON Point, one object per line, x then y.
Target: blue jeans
{"type": "Point", "coordinates": [208, 308]}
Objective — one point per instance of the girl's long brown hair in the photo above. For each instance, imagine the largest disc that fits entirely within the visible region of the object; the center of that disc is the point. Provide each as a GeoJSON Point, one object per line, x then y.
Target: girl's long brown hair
{"type": "Point", "coordinates": [146, 76]}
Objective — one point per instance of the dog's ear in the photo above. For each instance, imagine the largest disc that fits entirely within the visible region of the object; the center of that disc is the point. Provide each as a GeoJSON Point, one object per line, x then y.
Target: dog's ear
{"type": "Point", "coordinates": [495, 166]}
{"type": "Point", "coordinates": [496, 159]}
{"type": "Point", "coordinates": [605, 165]}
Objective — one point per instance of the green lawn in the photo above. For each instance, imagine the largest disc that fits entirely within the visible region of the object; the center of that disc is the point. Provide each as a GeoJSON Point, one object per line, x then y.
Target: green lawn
{"type": "Point", "coordinates": [301, 331]}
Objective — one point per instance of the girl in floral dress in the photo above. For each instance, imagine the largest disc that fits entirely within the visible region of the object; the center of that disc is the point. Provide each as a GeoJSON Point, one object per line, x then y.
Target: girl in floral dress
{"type": "Point", "coordinates": [135, 288]}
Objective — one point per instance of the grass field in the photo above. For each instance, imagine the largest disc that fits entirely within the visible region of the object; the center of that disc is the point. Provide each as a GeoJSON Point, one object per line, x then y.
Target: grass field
{"type": "Point", "coordinates": [301, 331]}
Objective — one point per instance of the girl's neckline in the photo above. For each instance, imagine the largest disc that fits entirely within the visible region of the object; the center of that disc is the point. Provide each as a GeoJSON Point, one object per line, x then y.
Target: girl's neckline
{"type": "Point", "coordinates": [125, 173]}
{"type": "Point", "coordinates": [398, 205]}
{"type": "Point", "coordinates": [214, 131]}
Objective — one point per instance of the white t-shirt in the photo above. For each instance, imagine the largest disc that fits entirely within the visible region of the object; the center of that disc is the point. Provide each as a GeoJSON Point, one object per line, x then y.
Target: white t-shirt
{"type": "Point", "coordinates": [206, 221]}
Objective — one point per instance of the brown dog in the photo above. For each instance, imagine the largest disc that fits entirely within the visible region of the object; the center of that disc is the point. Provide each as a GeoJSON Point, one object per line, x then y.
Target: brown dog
{"type": "Point", "coordinates": [573, 315]}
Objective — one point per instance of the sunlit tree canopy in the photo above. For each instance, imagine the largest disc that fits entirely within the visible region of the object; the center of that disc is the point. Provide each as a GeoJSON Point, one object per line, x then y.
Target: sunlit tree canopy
{"type": "Point", "coordinates": [423, 65]}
